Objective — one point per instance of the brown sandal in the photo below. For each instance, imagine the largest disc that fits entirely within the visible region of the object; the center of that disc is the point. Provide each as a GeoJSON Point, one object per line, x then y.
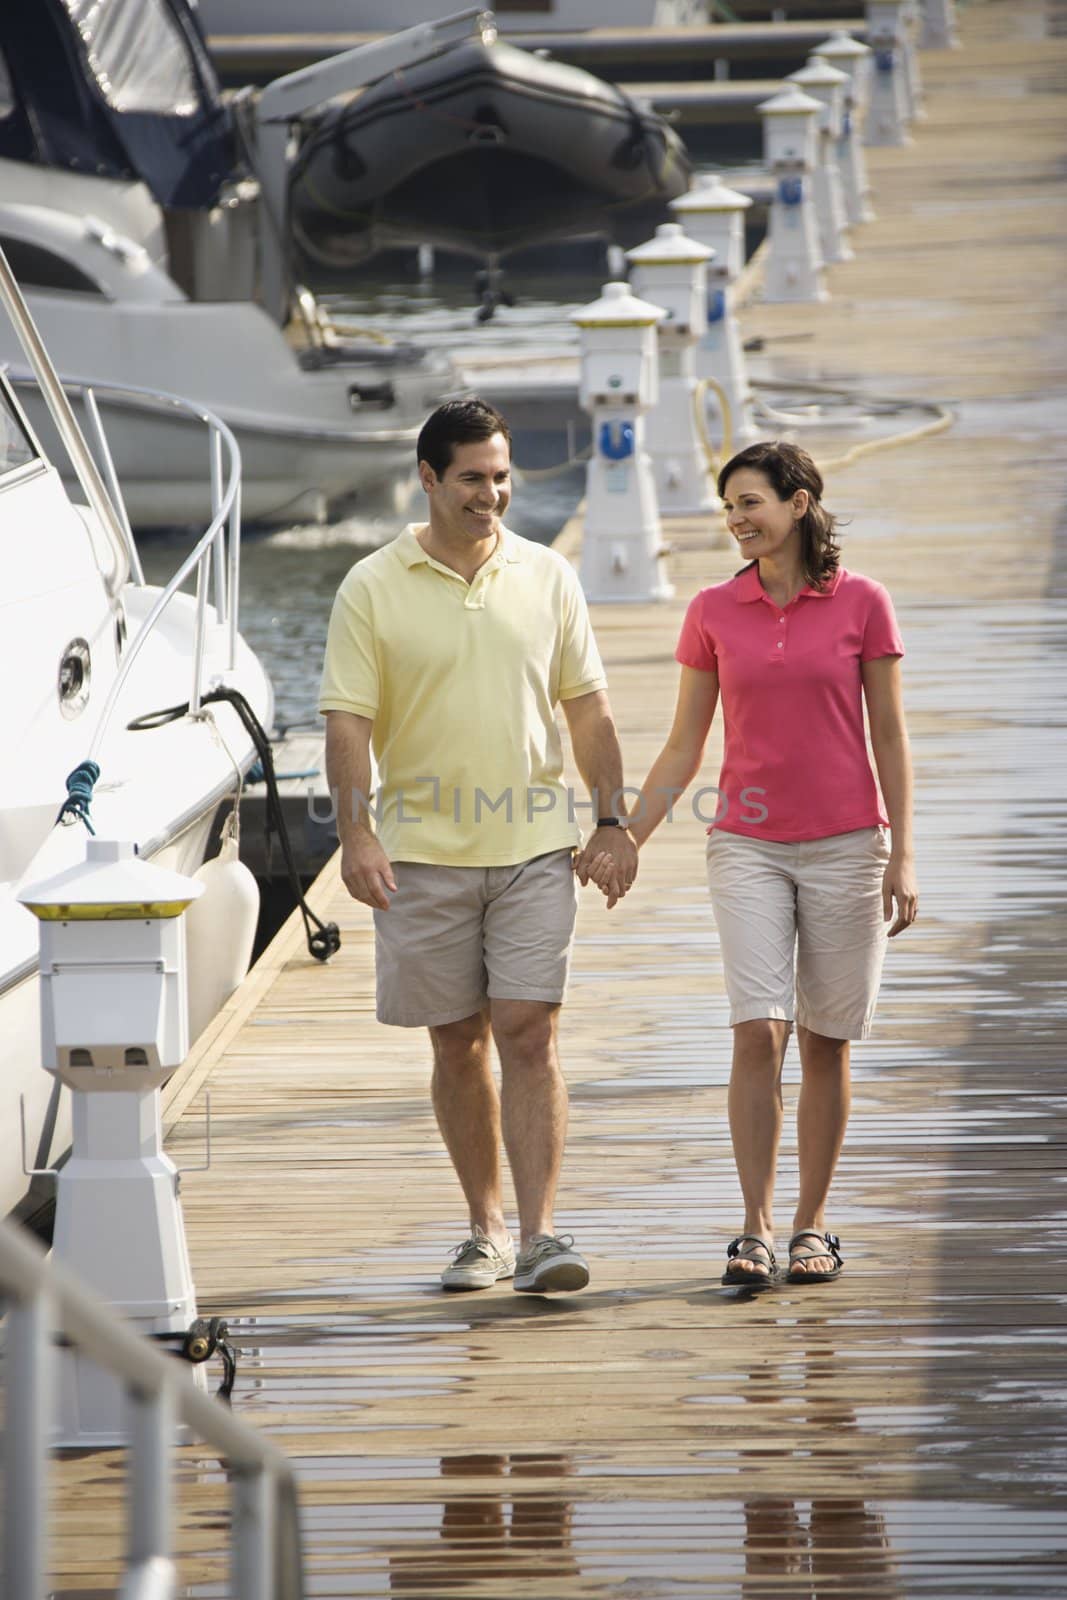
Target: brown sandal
{"type": "Point", "coordinates": [744, 1248]}
{"type": "Point", "coordinates": [830, 1245]}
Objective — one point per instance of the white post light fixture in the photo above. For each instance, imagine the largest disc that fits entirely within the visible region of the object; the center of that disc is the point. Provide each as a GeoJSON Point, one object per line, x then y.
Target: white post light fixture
{"type": "Point", "coordinates": [887, 112]}
{"type": "Point", "coordinates": [794, 264]}
{"type": "Point", "coordinates": [913, 89]}
{"type": "Point", "coordinates": [938, 25]}
{"type": "Point", "coordinates": [852, 58]}
{"type": "Point", "coordinates": [114, 1025]}
{"type": "Point", "coordinates": [827, 85]}
{"type": "Point", "coordinates": [670, 270]}
{"type": "Point", "coordinates": [714, 215]}
{"type": "Point", "coordinates": [622, 545]}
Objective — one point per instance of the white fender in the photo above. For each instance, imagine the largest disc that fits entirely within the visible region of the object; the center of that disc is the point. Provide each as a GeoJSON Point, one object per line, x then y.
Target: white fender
{"type": "Point", "coordinates": [220, 936]}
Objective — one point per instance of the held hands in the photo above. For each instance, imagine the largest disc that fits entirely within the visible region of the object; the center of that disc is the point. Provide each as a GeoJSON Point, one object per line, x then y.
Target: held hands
{"type": "Point", "coordinates": [610, 861]}
{"type": "Point", "coordinates": [899, 884]}
{"type": "Point", "coordinates": [366, 872]}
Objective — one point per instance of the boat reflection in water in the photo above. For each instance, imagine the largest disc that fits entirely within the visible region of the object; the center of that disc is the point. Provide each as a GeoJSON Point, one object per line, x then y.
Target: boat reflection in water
{"type": "Point", "coordinates": [505, 1528]}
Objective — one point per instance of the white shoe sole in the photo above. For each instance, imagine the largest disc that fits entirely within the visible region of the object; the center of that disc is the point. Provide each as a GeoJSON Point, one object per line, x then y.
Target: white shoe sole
{"type": "Point", "coordinates": [480, 1280]}
{"type": "Point", "coordinates": [552, 1277]}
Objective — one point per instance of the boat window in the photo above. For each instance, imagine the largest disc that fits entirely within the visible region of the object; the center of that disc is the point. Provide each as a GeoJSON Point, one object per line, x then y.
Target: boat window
{"type": "Point", "coordinates": [137, 55]}
{"type": "Point", "coordinates": [15, 447]}
{"type": "Point", "coordinates": [38, 268]}
{"type": "Point", "coordinates": [7, 93]}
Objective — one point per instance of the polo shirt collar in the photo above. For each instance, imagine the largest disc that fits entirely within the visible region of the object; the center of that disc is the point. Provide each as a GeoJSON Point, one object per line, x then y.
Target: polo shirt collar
{"type": "Point", "coordinates": [748, 587]}
{"type": "Point", "coordinates": [508, 551]}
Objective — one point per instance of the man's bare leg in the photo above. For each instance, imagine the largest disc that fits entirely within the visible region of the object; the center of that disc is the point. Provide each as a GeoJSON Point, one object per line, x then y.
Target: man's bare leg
{"type": "Point", "coordinates": [467, 1107]}
{"type": "Point", "coordinates": [534, 1107]}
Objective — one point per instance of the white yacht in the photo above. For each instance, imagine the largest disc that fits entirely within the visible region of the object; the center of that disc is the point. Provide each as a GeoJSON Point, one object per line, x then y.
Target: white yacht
{"type": "Point", "coordinates": [131, 223]}
{"type": "Point", "coordinates": [86, 648]}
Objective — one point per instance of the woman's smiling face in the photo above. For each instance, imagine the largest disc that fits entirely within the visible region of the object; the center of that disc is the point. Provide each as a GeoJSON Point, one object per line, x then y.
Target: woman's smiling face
{"type": "Point", "coordinates": [762, 524]}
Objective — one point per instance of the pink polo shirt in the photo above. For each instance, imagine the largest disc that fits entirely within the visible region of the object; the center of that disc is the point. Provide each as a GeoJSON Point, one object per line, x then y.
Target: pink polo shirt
{"type": "Point", "coordinates": [795, 763]}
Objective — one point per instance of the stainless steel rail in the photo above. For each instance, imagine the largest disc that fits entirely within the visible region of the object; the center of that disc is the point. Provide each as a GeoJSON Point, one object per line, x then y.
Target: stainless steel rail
{"type": "Point", "coordinates": [85, 467]}
{"type": "Point", "coordinates": [215, 557]}
{"type": "Point", "coordinates": [101, 488]}
{"type": "Point", "coordinates": [44, 1299]}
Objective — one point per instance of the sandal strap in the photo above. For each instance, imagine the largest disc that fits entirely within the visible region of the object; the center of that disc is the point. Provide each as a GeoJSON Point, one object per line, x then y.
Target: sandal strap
{"type": "Point", "coordinates": [829, 1241]}
{"type": "Point", "coordinates": [734, 1249]}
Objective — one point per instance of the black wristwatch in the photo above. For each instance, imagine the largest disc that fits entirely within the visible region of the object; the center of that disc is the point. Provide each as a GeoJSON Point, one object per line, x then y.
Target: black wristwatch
{"type": "Point", "coordinates": [611, 822]}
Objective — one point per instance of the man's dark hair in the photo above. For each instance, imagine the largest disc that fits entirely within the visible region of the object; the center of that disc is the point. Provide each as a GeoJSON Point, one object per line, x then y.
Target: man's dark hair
{"type": "Point", "coordinates": [457, 422]}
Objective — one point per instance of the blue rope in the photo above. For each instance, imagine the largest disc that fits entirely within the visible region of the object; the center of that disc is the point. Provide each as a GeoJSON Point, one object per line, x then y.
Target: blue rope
{"type": "Point", "coordinates": [80, 787]}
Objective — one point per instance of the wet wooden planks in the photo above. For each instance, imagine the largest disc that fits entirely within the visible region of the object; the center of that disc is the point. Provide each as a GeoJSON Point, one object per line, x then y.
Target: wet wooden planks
{"type": "Point", "coordinates": [900, 1433]}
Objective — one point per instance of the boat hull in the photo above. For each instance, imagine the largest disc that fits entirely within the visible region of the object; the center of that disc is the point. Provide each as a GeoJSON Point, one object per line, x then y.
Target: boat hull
{"type": "Point", "coordinates": [160, 787]}
{"type": "Point", "coordinates": [288, 476]}
{"type": "Point", "coordinates": [319, 432]}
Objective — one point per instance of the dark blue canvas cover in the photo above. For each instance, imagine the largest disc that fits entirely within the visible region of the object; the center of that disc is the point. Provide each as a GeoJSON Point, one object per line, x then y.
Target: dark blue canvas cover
{"type": "Point", "coordinates": [120, 88]}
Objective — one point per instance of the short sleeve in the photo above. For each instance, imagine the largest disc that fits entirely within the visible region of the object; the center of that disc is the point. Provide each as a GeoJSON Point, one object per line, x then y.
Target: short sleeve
{"type": "Point", "coordinates": [881, 636]}
{"type": "Point", "coordinates": [350, 680]}
{"type": "Point", "coordinates": [695, 648]}
{"type": "Point", "coordinates": [581, 670]}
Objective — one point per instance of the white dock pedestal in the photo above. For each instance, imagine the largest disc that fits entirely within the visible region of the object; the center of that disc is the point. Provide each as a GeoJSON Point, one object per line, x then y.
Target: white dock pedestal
{"type": "Point", "coordinates": [887, 112]}
{"type": "Point", "coordinates": [827, 85]}
{"type": "Point", "coordinates": [852, 58]}
{"type": "Point", "coordinates": [114, 1025]}
{"type": "Point", "coordinates": [670, 270]}
{"type": "Point", "coordinates": [714, 216]}
{"type": "Point", "coordinates": [794, 266]}
{"type": "Point", "coordinates": [938, 25]}
{"type": "Point", "coordinates": [622, 542]}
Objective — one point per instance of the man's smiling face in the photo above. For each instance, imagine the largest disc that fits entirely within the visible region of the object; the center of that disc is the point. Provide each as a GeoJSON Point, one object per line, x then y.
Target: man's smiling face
{"type": "Point", "coordinates": [469, 499]}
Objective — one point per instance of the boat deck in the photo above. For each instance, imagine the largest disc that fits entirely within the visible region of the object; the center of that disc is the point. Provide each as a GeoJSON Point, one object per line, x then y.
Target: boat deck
{"type": "Point", "coordinates": [901, 1432]}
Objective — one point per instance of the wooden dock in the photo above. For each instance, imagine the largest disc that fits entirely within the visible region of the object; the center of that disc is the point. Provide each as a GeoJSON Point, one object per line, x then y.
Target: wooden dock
{"type": "Point", "coordinates": [897, 1434]}
{"type": "Point", "coordinates": [621, 54]}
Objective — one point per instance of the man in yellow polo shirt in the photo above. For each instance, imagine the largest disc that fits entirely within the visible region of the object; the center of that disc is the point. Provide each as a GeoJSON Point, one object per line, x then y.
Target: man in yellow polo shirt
{"type": "Point", "coordinates": [447, 654]}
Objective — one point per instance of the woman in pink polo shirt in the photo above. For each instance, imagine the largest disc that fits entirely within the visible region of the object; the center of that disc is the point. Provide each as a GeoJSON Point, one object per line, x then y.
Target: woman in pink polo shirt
{"type": "Point", "coordinates": [802, 876]}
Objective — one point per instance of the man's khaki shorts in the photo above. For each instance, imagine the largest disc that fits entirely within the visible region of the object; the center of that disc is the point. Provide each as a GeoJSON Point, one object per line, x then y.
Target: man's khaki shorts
{"type": "Point", "coordinates": [455, 937]}
{"type": "Point", "coordinates": [801, 920]}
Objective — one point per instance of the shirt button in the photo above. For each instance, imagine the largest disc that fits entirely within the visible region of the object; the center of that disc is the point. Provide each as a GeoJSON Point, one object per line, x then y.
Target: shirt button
{"type": "Point", "coordinates": [781, 619]}
{"type": "Point", "coordinates": [781, 646]}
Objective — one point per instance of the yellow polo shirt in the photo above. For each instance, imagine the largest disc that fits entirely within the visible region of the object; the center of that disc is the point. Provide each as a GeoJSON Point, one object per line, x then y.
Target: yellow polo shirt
{"type": "Point", "coordinates": [461, 682]}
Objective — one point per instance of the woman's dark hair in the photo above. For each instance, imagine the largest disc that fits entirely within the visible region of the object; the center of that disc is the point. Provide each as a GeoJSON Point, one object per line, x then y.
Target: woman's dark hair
{"type": "Point", "coordinates": [787, 468]}
{"type": "Point", "coordinates": [457, 422]}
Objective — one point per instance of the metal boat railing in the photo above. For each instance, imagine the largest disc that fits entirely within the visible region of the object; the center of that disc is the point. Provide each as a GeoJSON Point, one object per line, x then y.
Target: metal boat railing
{"type": "Point", "coordinates": [44, 1301]}
{"type": "Point", "coordinates": [215, 557]}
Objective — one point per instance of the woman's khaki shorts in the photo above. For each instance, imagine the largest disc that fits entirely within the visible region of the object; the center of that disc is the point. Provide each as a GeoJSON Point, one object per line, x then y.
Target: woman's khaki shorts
{"type": "Point", "coordinates": [455, 937]}
{"type": "Point", "coordinates": [801, 919]}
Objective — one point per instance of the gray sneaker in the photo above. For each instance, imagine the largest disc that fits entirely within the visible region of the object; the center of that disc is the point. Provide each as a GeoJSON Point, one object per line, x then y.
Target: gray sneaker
{"type": "Point", "coordinates": [478, 1263]}
{"type": "Point", "coordinates": [550, 1262]}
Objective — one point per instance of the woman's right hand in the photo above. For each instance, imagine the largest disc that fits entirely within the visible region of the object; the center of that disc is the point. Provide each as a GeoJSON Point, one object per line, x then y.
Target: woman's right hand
{"type": "Point", "coordinates": [602, 870]}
